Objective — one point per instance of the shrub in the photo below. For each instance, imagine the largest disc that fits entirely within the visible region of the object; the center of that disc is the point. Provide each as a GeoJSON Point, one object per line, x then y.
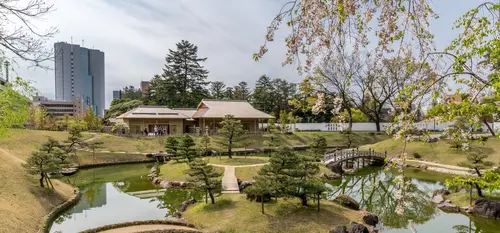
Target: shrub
{"type": "Point", "coordinates": [416, 155]}
{"type": "Point", "coordinates": [371, 133]}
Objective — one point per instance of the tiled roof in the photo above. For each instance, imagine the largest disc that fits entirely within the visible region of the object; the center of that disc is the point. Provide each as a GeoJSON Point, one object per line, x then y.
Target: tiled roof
{"type": "Point", "coordinates": [220, 108]}
{"type": "Point", "coordinates": [153, 112]}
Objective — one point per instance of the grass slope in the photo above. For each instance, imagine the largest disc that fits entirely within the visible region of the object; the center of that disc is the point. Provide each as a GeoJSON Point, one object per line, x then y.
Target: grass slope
{"type": "Point", "coordinates": [247, 173]}
{"type": "Point", "coordinates": [21, 142]}
{"type": "Point", "coordinates": [233, 213]}
{"type": "Point", "coordinates": [237, 160]}
{"type": "Point", "coordinates": [23, 204]}
{"type": "Point", "coordinates": [439, 152]}
{"type": "Point", "coordinates": [124, 144]}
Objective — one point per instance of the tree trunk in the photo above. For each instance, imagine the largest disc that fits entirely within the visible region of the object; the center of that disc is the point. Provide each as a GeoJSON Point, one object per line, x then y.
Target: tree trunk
{"type": "Point", "coordinates": [230, 151]}
{"type": "Point", "coordinates": [489, 127]}
{"type": "Point", "coordinates": [50, 182]}
{"type": "Point", "coordinates": [479, 191]}
{"type": "Point", "coordinates": [206, 196]}
{"type": "Point", "coordinates": [262, 203]}
{"type": "Point", "coordinates": [319, 196]}
{"type": "Point", "coordinates": [42, 177]}
{"type": "Point", "coordinates": [377, 124]}
{"type": "Point", "coordinates": [211, 196]}
{"type": "Point", "coordinates": [349, 118]}
{"type": "Point", "coordinates": [303, 200]}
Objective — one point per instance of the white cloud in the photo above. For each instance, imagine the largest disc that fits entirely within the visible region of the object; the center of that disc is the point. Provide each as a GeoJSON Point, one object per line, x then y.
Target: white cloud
{"type": "Point", "coordinates": [136, 35]}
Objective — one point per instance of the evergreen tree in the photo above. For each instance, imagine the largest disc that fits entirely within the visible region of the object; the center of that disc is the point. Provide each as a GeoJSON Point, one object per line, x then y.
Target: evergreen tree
{"type": "Point", "coordinates": [318, 147]}
{"type": "Point", "coordinates": [187, 150]}
{"type": "Point", "coordinates": [230, 134]}
{"type": "Point", "coordinates": [55, 148]}
{"type": "Point", "coordinates": [41, 163]}
{"type": "Point", "coordinates": [241, 92]}
{"type": "Point", "coordinates": [184, 80]}
{"type": "Point", "coordinates": [290, 174]}
{"type": "Point", "coordinates": [229, 93]}
{"type": "Point", "coordinates": [131, 92]}
{"type": "Point", "coordinates": [171, 147]}
{"type": "Point", "coordinates": [94, 146]}
{"type": "Point", "coordinates": [272, 140]}
{"type": "Point", "coordinates": [205, 177]}
{"type": "Point", "coordinates": [283, 92]}
{"type": "Point", "coordinates": [262, 96]}
{"type": "Point", "coordinates": [476, 161]}
{"type": "Point", "coordinates": [205, 145]}
{"type": "Point", "coordinates": [217, 90]}
{"type": "Point", "coordinates": [75, 137]}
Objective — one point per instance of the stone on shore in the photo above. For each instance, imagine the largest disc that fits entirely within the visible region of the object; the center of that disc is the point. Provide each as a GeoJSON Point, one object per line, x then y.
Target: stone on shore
{"type": "Point", "coordinates": [487, 208]}
{"type": "Point", "coordinates": [437, 199]}
{"type": "Point", "coordinates": [339, 229]}
{"type": "Point", "coordinates": [370, 219]}
{"type": "Point", "coordinates": [347, 201]}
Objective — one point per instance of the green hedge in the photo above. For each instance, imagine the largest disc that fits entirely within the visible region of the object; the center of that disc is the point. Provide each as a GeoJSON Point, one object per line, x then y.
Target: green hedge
{"type": "Point", "coordinates": [148, 222]}
{"type": "Point", "coordinates": [52, 215]}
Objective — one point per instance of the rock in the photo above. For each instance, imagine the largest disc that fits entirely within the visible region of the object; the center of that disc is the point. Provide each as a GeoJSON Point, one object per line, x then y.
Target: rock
{"type": "Point", "coordinates": [335, 167]}
{"type": "Point", "coordinates": [440, 192]}
{"type": "Point", "coordinates": [185, 204]}
{"type": "Point", "coordinates": [332, 176]}
{"type": "Point", "coordinates": [358, 228]}
{"type": "Point", "coordinates": [347, 201]}
{"type": "Point", "coordinates": [339, 229]}
{"type": "Point", "coordinates": [156, 180]}
{"type": "Point", "coordinates": [245, 184]}
{"type": "Point", "coordinates": [447, 201]}
{"type": "Point", "coordinates": [423, 167]}
{"type": "Point", "coordinates": [258, 198]}
{"type": "Point", "coordinates": [438, 199]}
{"type": "Point", "coordinates": [177, 214]}
{"type": "Point", "coordinates": [487, 208]}
{"type": "Point", "coordinates": [370, 219]}
{"type": "Point", "coordinates": [182, 184]}
{"type": "Point", "coordinates": [467, 209]}
{"type": "Point", "coordinates": [449, 207]}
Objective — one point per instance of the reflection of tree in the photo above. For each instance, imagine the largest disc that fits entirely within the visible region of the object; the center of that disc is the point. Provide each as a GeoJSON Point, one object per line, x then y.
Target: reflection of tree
{"type": "Point", "coordinates": [375, 192]}
{"type": "Point", "coordinates": [173, 198]}
{"type": "Point", "coordinates": [91, 192]}
{"type": "Point", "coordinates": [63, 217]}
{"type": "Point", "coordinates": [478, 225]}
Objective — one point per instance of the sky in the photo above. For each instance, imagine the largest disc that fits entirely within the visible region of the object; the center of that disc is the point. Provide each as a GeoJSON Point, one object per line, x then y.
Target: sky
{"type": "Point", "coordinates": [135, 36]}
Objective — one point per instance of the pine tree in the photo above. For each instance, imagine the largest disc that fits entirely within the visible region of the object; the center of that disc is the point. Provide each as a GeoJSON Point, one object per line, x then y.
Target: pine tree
{"type": "Point", "coordinates": [205, 145]}
{"type": "Point", "coordinates": [55, 148]}
{"type": "Point", "coordinates": [272, 140]}
{"type": "Point", "coordinates": [171, 147]}
{"type": "Point", "coordinates": [184, 80]}
{"type": "Point", "coordinates": [205, 177]}
{"type": "Point", "coordinates": [230, 134]}
{"type": "Point", "coordinates": [217, 90]}
{"type": "Point", "coordinates": [187, 150]}
{"type": "Point", "coordinates": [262, 97]}
{"type": "Point", "coordinates": [317, 147]}
{"type": "Point", "coordinates": [229, 93]}
{"type": "Point", "coordinates": [41, 163]}
{"type": "Point", "coordinates": [241, 92]}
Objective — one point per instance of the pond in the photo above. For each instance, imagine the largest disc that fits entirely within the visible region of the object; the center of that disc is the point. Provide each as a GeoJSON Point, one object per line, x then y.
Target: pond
{"type": "Point", "coordinates": [115, 194]}
{"type": "Point", "coordinates": [375, 190]}
{"type": "Point", "coordinates": [112, 195]}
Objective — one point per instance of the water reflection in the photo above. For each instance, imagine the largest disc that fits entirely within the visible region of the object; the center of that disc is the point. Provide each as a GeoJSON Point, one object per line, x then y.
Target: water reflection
{"type": "Point", "coordinates": [375, 190]}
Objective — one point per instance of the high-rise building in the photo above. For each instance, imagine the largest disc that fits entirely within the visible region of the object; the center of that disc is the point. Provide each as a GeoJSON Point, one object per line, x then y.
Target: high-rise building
{"type": "Point", "coordinates": [144, 87]}
{"type": "Point", "coordinates": [79, 72]}
{"type": "Point", "coordinates": [117, 94]}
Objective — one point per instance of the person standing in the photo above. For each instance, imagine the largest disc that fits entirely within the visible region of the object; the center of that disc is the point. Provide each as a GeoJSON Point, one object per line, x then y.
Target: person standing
{"type": "Point", "coordinates": [156, 130]}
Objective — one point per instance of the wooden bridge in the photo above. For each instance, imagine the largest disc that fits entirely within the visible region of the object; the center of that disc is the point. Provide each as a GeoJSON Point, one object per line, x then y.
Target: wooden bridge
{"type": "Point", "coordinates": [352, 155]}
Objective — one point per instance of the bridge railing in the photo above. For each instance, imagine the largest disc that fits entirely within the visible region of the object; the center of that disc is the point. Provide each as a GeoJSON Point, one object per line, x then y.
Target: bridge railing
{"type": "Point", "coordinates": [346, 154]}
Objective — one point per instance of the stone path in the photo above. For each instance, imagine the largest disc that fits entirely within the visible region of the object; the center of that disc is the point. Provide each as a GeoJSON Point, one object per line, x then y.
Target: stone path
{"type": "Point", "coordinates": [149, 228]}
{"type": "Point", "coordinates": [449, 169]}
{"type": "Point", "coordinates": [229, 180]}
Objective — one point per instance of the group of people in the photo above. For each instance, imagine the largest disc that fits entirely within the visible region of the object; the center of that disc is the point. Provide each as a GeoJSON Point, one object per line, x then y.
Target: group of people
{"type": "Point", "coordinates": [157, 131]}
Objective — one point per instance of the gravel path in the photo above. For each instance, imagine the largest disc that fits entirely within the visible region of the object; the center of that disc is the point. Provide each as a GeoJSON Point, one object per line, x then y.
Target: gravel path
{"type": "Point", "coordinates": [229, 180]}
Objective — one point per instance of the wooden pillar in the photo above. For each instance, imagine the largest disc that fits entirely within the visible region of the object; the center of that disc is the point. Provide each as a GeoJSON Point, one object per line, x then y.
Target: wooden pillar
{"type": "Point", "coordinates": [256, 129]}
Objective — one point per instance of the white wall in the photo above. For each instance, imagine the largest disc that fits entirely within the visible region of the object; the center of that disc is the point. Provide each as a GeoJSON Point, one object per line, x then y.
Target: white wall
{"type": "Point", "coordinates": [372, 126]}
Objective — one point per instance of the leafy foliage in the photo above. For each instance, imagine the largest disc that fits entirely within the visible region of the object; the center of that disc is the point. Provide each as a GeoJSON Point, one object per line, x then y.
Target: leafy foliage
{"type": "Point", "coordinates": [120, 106]}
{"type": "Point", "coordinates": [172, 146]}
{"type": "Point", "coordinates": [131, 93]}
{"type": "Point", "coordinates": [14, 104]}
{"type": "Point", "coordinates": [318, 147]}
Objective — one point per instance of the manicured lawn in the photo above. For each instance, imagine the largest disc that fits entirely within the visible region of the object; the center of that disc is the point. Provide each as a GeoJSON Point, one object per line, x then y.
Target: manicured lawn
{"type": "Point", "coordinates": [237, 160]}
{"type": "Point", "coordinates": [115, 143]}
{"type": "Point", "coordinates": [462, 198]}
{"type": "Point", "coordinates": [173, 171]}
{"type": "Point", "coordinates": [233, 213]}
{"type": "Point", "coordinates": [84, 157]}
{"type": "Point", "coordinates": [247, 173]}
{"type": "Point", "coordinates": [21, 142]}
{"type": "Point", "coordinates": [440, 151]}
